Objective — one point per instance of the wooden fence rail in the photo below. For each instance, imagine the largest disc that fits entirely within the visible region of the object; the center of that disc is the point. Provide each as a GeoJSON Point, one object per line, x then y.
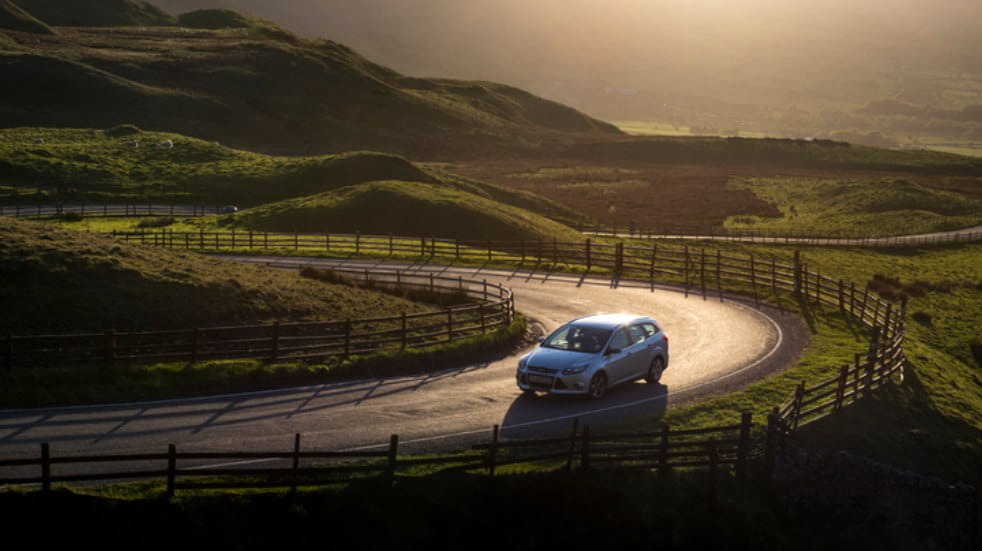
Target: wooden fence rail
{"type": "Point", "coordinates": [698, 271]}
{"type": "Point", "coordinates": [728, 448]}
{"type": "Point", "coordinates": [493, 308]}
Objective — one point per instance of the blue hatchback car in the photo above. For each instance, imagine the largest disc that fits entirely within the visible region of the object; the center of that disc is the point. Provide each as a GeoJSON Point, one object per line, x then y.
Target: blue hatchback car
{"type": "Point", "coordinates": [591, 354]}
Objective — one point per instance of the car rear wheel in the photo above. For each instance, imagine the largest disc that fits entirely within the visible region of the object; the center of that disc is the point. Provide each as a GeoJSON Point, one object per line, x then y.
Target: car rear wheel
{"type": "Point", "coordinates": [598, 386]}
{"type": "Point", "coordinates": [655, 370]}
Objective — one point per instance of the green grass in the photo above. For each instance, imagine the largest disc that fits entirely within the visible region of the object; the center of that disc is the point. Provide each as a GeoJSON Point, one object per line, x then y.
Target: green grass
{"type": "Point", "coordinates": [854, 207]}
{"type": "Point", "coordinates": [99, 384]}
{"type": "Point", "coordinates": [59, 280]}
{"type": "Point", "coordinates": [14, 18]}
{"type": "Point", "coordinates": [97, 13]}
{"type": "Point", "coordinates": [400, 208]}
{"type": "Point", "coordinates": [101, 168]}
{"type": "Point", "coordinates": [932, 422]}
{"type": "Point", "coordinates": [262, 88]}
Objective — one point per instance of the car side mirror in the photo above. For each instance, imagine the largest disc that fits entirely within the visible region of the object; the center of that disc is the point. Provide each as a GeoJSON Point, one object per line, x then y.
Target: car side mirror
{"type": "Point", "coordinates": [542, 340]}
{"type": "Point", "coordinates": [612, 350]}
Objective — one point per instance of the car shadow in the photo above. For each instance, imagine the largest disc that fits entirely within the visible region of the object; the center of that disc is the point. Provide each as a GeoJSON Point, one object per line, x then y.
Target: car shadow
{"type": "Point", "coordinates": [531, 416]}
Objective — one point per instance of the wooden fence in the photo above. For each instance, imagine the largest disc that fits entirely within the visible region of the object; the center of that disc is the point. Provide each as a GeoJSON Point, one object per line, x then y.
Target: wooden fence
{"type": "Point", "coordinates": [493, 308]}
{"type": "Point", "coordinates": [720, 449]}
{"type": "Point", "coordinates": [909, 237]}
{"type": "Point", "coordinates": [107, 210]}
{"type": "Point", "coordinates": [696, 270]}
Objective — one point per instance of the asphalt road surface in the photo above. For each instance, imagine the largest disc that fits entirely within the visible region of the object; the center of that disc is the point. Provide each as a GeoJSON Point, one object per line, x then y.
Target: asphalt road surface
{"type": "Point", "coordinates": [716, 345]}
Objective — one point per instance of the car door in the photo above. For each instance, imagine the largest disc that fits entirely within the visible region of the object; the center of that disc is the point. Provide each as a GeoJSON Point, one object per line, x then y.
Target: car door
{"type": "Point", "coordinates": [620, 363]}
{"type": "Point", "coordinates": [641, 350]}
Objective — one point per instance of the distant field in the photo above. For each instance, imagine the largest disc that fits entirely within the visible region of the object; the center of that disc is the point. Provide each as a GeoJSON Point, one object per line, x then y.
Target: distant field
{"type": "Point", "coordinates": [711, 196]}
{"type": "Point", "coordinates": [845, 206]}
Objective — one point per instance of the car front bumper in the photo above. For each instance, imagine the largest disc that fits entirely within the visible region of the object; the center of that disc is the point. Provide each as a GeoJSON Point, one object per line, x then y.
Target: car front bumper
{"type": "Point", "coordinates": [553, 384]}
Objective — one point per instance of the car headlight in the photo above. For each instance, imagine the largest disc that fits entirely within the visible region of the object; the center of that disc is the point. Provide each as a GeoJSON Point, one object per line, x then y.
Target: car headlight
{"type": "Point", "coordinates": [575, 369]}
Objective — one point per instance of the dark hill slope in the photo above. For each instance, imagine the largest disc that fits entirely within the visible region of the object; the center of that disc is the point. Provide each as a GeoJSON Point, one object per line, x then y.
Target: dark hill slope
{"type": "Point", "coordinates": [13, 17]}
{"type": "Point", "coordinates": [59, 280]}
{"type": "Point", "coordinates": [271, 92]}
{"type": "Point", "coordinates": [97, 13]}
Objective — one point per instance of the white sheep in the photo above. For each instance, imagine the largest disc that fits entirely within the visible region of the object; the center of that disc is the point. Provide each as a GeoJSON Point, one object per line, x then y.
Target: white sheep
{"type": "Point", "coordinates": [39, 141]}
{"type": "Point", "coordinates": [166, 144]}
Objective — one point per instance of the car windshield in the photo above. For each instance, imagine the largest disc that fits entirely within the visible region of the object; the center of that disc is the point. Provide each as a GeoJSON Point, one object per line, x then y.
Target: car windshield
{"type": "Point", "coordinates": [578, 338]}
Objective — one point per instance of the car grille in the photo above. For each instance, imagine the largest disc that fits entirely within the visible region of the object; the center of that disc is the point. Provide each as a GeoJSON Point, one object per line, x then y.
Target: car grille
{"type": "Point", "coordinates": [544, 370]}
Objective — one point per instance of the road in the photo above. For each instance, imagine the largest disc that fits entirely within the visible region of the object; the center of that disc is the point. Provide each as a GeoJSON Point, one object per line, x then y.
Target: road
{"type": "Point", "coordinates": [715, 346]}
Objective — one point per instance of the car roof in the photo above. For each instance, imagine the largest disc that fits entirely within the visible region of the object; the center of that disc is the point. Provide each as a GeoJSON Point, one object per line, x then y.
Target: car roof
{"type": "Point", "coordinates": [610, 321]}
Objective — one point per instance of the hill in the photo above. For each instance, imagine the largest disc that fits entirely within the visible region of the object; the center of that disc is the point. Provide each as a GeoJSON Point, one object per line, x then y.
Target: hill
{"type": "Point", "coordinates": [60, 280]}
{"type": "Point", "coordinates": [97, 13]}
{"type": "Point", "coordinates": [13, 17]}
{"type": "Point", "coordinates": [260, 88]}
{"type": "Point", "coordinates": [404, 208]}
{"type": "Point", "coordinates": [100, 166]}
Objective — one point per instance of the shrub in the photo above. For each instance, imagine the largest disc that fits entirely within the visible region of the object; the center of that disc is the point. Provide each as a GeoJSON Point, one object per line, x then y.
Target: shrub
{"type": "Point", "coordinates": [976, 347]}
{"type": "Point", "coordinates": [72, 216]}
{"type": "Point", "coordinates": [122, 130]}
{"type": "Point", "coordinates": [156, 222]}
{"type": "Point", "coordinates": [922, 318]}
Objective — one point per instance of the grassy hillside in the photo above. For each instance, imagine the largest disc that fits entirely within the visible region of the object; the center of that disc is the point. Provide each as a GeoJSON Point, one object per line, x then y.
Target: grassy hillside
{"type": "Point", "coordinates": [97, 13]}
{"type": "Point", "coordinates": [261, 88]}
{"type": "Point", "coordinates": [59, 280]}
{"type": "Point", "coordinates": [772, 153]}
{"type": "Point", "coordinates": [885, 206]}
{"type": "Point", "coordinates": [99, 165]}
{"type": "Point", "coordinates": [403, 208]}
{"type": "Point", "coordinates": [14, 18]}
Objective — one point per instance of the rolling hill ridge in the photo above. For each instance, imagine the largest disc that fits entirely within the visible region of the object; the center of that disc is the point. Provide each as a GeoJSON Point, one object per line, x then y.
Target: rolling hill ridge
{"type": "Point", "coordinates": [252, 85]}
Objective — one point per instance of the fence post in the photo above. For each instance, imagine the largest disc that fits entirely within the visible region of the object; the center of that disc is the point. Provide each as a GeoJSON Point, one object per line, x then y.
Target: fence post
{"type": "Point", "coordinates": [449, 324]}
{"type": "Point", "coordinates": [233, 239]}
{"type": "Point", "coordinates": [797, 272]}
{"type": "Point", "coordinates": [201, 238]}
{"type": "Point", "coordinates": [347, 338]}
{"type": "Point", "coordinates": [719, 283]}
{"type": "Point", "coordinates": [753, 280]}
{"type": "Point", "coordinates": [484, 328]}
{"type": "Point", "coordinates": [743, 448]}
{"type": "Point", "coordinates": [651, 269]}
{"type": "Point", "coordinates": [390, 473]}
{"type": "Point", "coordinates": [489, 251]}
{"type": "Point", "coordinates": [405, 336]}
{"type": "Point", "coordinates": [619, 259]}
{"type": "Point", "coordinates": [493, 451]}
{"type": "Point", "coordinates": [391, 245]}
{"type": "Point", "coordinates": [770, 443]}
{"type": "Point", "coordinates": [663, 452]}
{"type": "Point", "coordinates": [799, 395]}
{"type": "Point", "coordinates": [422, 247]}
{"type": "Point", "coordinates": [111, 346]}
{"type": "Point", "coordinates": [713, 468]}
{"type": "Point", "coordinates": [572, 445]}
{"type": "Point", "coordinates": [868, 377]}
{"type": "Point", "coordinates": [275, 342]}
{"type": "Point", "coordinates": [840, 391]}
{"type": "Point", "coordinates": [456, 248]}
{"type": "Point", "coordinates": [702, 272]}
{"type": "Point", "coordinates": [588, 255]}
{"type": "Point", "coordinates": [296, 463]}
{"type": "Point", "coordinates": [171, 469]}
{"type": "Point", "coordinates": [194, 345]}
{"type": "Point", "coordinates": [686, 271]}
{"type": "Point", "coordinates": [45, 467]}
{"type": "Point", "coordinates": [585, 450]}
{"type": "Point", "coordinates": [357, 242]}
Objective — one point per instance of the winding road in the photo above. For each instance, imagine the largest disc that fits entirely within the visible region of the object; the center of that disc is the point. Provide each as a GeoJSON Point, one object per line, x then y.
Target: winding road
{"type": "Point", "coordinates": [716, 345]}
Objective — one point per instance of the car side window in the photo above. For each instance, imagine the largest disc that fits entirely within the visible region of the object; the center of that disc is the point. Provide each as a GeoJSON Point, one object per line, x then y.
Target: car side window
{"type": "Point", "coordinates": [649, 328]}
{"type": "Point", "coordinates": [621, 339]}
{"type": "Point", "coordinates": [638, 334]}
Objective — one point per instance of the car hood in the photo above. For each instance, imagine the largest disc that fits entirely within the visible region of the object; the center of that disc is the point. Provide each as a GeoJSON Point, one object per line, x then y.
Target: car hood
{"type": "Point", "coordinates": [551, 358]}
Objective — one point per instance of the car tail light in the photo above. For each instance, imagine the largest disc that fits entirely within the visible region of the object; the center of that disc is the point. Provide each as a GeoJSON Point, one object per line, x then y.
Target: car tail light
{"type": "Point", "coordinates": [666, 338]}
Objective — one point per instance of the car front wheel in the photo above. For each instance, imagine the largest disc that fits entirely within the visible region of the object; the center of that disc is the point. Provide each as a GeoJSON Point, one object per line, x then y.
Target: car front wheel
{"type": "Point", "coordinates": [598, 386]}
{"type": "Point", "coordinates": [655, 370]}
